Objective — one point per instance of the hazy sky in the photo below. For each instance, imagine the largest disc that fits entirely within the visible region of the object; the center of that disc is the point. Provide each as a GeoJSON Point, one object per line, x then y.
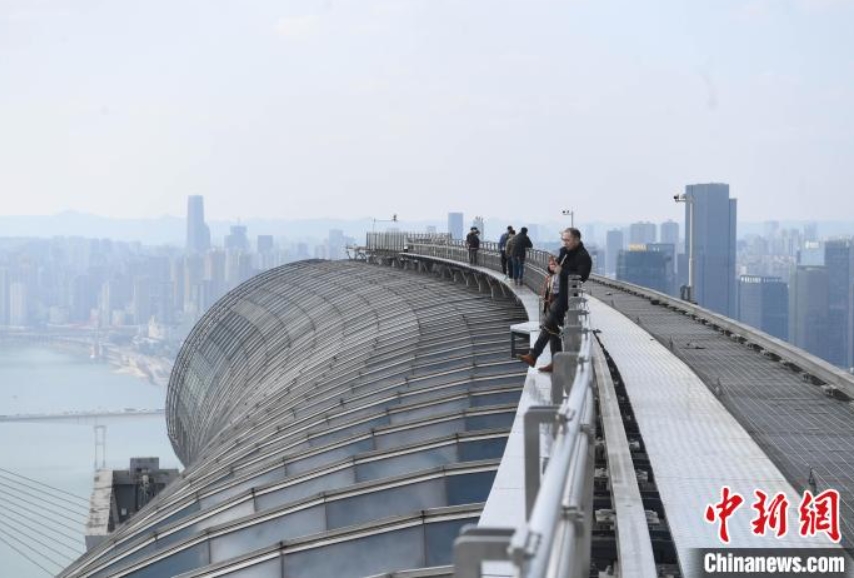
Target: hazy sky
{"type": "Point", "coordinates": [367, 107]}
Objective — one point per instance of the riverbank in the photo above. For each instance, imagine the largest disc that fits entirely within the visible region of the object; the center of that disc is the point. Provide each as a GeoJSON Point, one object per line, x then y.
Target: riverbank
{"type": "Point", "coordinates": [124, 360]}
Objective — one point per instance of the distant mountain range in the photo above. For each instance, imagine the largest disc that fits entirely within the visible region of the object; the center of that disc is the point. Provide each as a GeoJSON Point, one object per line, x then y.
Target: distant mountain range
{"type": "Point", "coordinates": [172, 230]}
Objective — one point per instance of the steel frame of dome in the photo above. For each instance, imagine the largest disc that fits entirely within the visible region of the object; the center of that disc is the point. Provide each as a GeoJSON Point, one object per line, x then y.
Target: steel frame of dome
{"type": "Point", "coordinates": [325, 410]}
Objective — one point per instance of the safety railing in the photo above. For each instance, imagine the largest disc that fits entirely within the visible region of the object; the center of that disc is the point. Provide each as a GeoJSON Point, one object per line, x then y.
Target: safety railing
{"type": "Point", "coordinates": [556, 537]}
{"type": "Point", "coordinates": [488, 255]}
{"type": "Point", "coordinates": [555, 540]}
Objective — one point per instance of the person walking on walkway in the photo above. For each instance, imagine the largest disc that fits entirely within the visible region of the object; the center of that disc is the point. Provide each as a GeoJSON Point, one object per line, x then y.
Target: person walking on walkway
{"type": "Point", "coordinates": [473, 244]}
{"type": "Point", "coordinates": [502, 243]}
{"type": "Point", "coordinates": [521, 244]}
{"type": "Point", "coordinates": [572, 260]}
{"type": "Point", "coordinates": [508, 253]}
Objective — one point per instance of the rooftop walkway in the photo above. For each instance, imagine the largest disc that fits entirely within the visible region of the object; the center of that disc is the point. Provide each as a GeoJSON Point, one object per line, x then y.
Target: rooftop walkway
{"type": "Point", "coordinates": [695, 446]}
{"type": "Point", "coordinates": [797, 424]}
{"type": "Point", "coordinates": [505, 506]}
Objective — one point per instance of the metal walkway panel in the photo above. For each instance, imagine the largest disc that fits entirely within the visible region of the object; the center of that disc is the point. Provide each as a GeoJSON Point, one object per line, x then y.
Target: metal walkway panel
{"type": "Point", "coordinates": [798, 425]}
{"type": "Point", "coordinates": [695, 446]}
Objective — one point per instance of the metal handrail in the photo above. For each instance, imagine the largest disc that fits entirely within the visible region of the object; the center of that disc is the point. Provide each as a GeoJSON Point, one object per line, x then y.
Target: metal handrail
{"type": "Point", "coordinates": [558, 532]}
{"type": "Point", "coordinates": [562, 507]}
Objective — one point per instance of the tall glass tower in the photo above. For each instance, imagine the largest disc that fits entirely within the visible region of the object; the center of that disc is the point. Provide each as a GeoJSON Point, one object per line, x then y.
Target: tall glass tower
{"type": "Point", "coordinates": [714, 246]}
{"type": "Point", "coordinates": [198, 234]}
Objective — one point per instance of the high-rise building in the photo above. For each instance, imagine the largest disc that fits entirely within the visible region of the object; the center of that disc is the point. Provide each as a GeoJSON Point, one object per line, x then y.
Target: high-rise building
{"type": "Point", "coordinates": [669, 233]}
{"type": "Point", "coordinates": [642, 233]}
{"type": "Point", "coordinates": [669, 251]}
{"type": "Point", "coordinates": [237, 239]}
{"type": "Point", "coordinates": [763, 303]}
{"type": "Point", "coordinates": [4, 296]}
{"type": "Point", "coordinates": [714, 245]}
{"type": "Point", "coordinates": [177, 278]}
{"type": "Point", "coordinates": [198, 234]}
{"type": "Point", "coordinates": [106, 304]}
{"type": "Point", "coordinates": [215, 273]}
{"type": "Point", "coordinates": [613, 246]}
{"type": "Point", "coordinates": [194, 268]}
{"type": "Point", "coordinates": [19, 315]}
{"type": "Point", "coordinates": [141, 300]}
{"type": "Point", "coordinates": [265, 244]}
{"type": "Point", "coordinates": [455, 225]}
{"type": "Point", "coordinates": [839, 262]}
{"type": "Point", "coordinates": [811, 254]}
{"type": "Point", "coordinates": [645, 268]}
{"type": "Point", "coordinates": [808, 309]}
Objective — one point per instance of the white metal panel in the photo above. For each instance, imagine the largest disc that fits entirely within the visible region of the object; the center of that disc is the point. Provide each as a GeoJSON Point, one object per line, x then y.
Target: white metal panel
{"type": "Point", "coordinates": [695, 446]}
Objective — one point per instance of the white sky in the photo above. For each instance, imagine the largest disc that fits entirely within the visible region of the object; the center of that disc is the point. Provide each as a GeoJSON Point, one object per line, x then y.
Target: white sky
{"type": "Point", "coordinates": [367, 107]}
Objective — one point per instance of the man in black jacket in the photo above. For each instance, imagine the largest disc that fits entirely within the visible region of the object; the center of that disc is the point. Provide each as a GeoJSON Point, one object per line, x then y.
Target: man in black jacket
{"type": "Point", "coordinates": [473, 244]}
{"type": "Point", "coordinates": [521, 244]}
{"type": "Point", "coordinates": [572, 260]}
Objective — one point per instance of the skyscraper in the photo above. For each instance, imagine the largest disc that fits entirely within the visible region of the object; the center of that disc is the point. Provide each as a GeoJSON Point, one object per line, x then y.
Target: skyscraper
{"type": "Point", "coordinates": [455, 225]}
{"type": "Point", "coordinates": [4, 296]}
{"type": "Point", "coordinates": [19, 304]}
{"type": "Point", "coordinates": [613, 246]}
{"type": "Point", "coordinates": [714, 244]}
{"type": "Point", "coordinates": [669, 236]}
{"type": "Point", "coordinates": [763, 303]}
{"type": "Point", "coordinates": [215, 273]}
{"type": "Point", "coordinates": [641, 233]}
{"type": "Point", "coordinates": [808, 309]}
{"type": "Point", "coordinates": [237, 239]}
{"type": "Point", "coordinates": [669, 250]}
{"type": "Point", "coordinates": [669, 232]}
{"type": "Point", "coordinates": [198, 234]}
{"type": "Point", "coordinates": [141, 300]}
{"type": "Point", "coordinates": [811, 253]}
{"type": "Point", "coordinates": [645, 268]}
{"type": "Point", "coordinates": [839, 262]}
{"type": "Point", "coordinates": [265, 243]}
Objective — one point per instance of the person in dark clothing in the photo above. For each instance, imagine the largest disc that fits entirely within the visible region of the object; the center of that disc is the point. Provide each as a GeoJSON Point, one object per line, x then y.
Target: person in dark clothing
{"type": "Point", "coordinates": [473, 244]}
{"type": "Point", "coordinates": [572, 260]}
{"type": "Point", "coordinates": [502, 243]}
{"type": "Point", "coordinates": [521, 244]}
{"type": "Point", "coordinates": [508, 253]}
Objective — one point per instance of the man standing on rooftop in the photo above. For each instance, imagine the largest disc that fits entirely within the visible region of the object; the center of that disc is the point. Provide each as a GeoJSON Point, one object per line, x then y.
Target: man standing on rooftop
{"type": "Point", "coordinates": [502, 243]}
{"type": "Point", "coordinates": [572, 260]}
{"type": "Point", "coordinates": [473, 244]}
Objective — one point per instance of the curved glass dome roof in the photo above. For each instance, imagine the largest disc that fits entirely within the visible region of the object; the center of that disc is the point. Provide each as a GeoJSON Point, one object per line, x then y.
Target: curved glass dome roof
{"type": "Point", "coordinates": [322, 407]}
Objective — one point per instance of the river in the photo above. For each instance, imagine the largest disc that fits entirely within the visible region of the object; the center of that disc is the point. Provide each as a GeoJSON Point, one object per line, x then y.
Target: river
{"type": "Point", "coordinates": [62, 453]}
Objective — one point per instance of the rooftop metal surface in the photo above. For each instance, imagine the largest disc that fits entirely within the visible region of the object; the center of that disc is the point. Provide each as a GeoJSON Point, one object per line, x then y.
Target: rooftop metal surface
{"type": "Point", "coordinates": [695, 446]}
{"type": "Point", "coordinates": [505, 506]}
{"type": "Point", "coordinates": [794, 422]}
{"type": "Point", "coordinates": [322, 407]}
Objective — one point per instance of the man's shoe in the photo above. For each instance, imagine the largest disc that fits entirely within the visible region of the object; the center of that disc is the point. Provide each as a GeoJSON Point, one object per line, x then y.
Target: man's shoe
{"type": "Point", "coordinates": [529, 359]}
{"type": "Point", "coordinates": [547, 368]}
